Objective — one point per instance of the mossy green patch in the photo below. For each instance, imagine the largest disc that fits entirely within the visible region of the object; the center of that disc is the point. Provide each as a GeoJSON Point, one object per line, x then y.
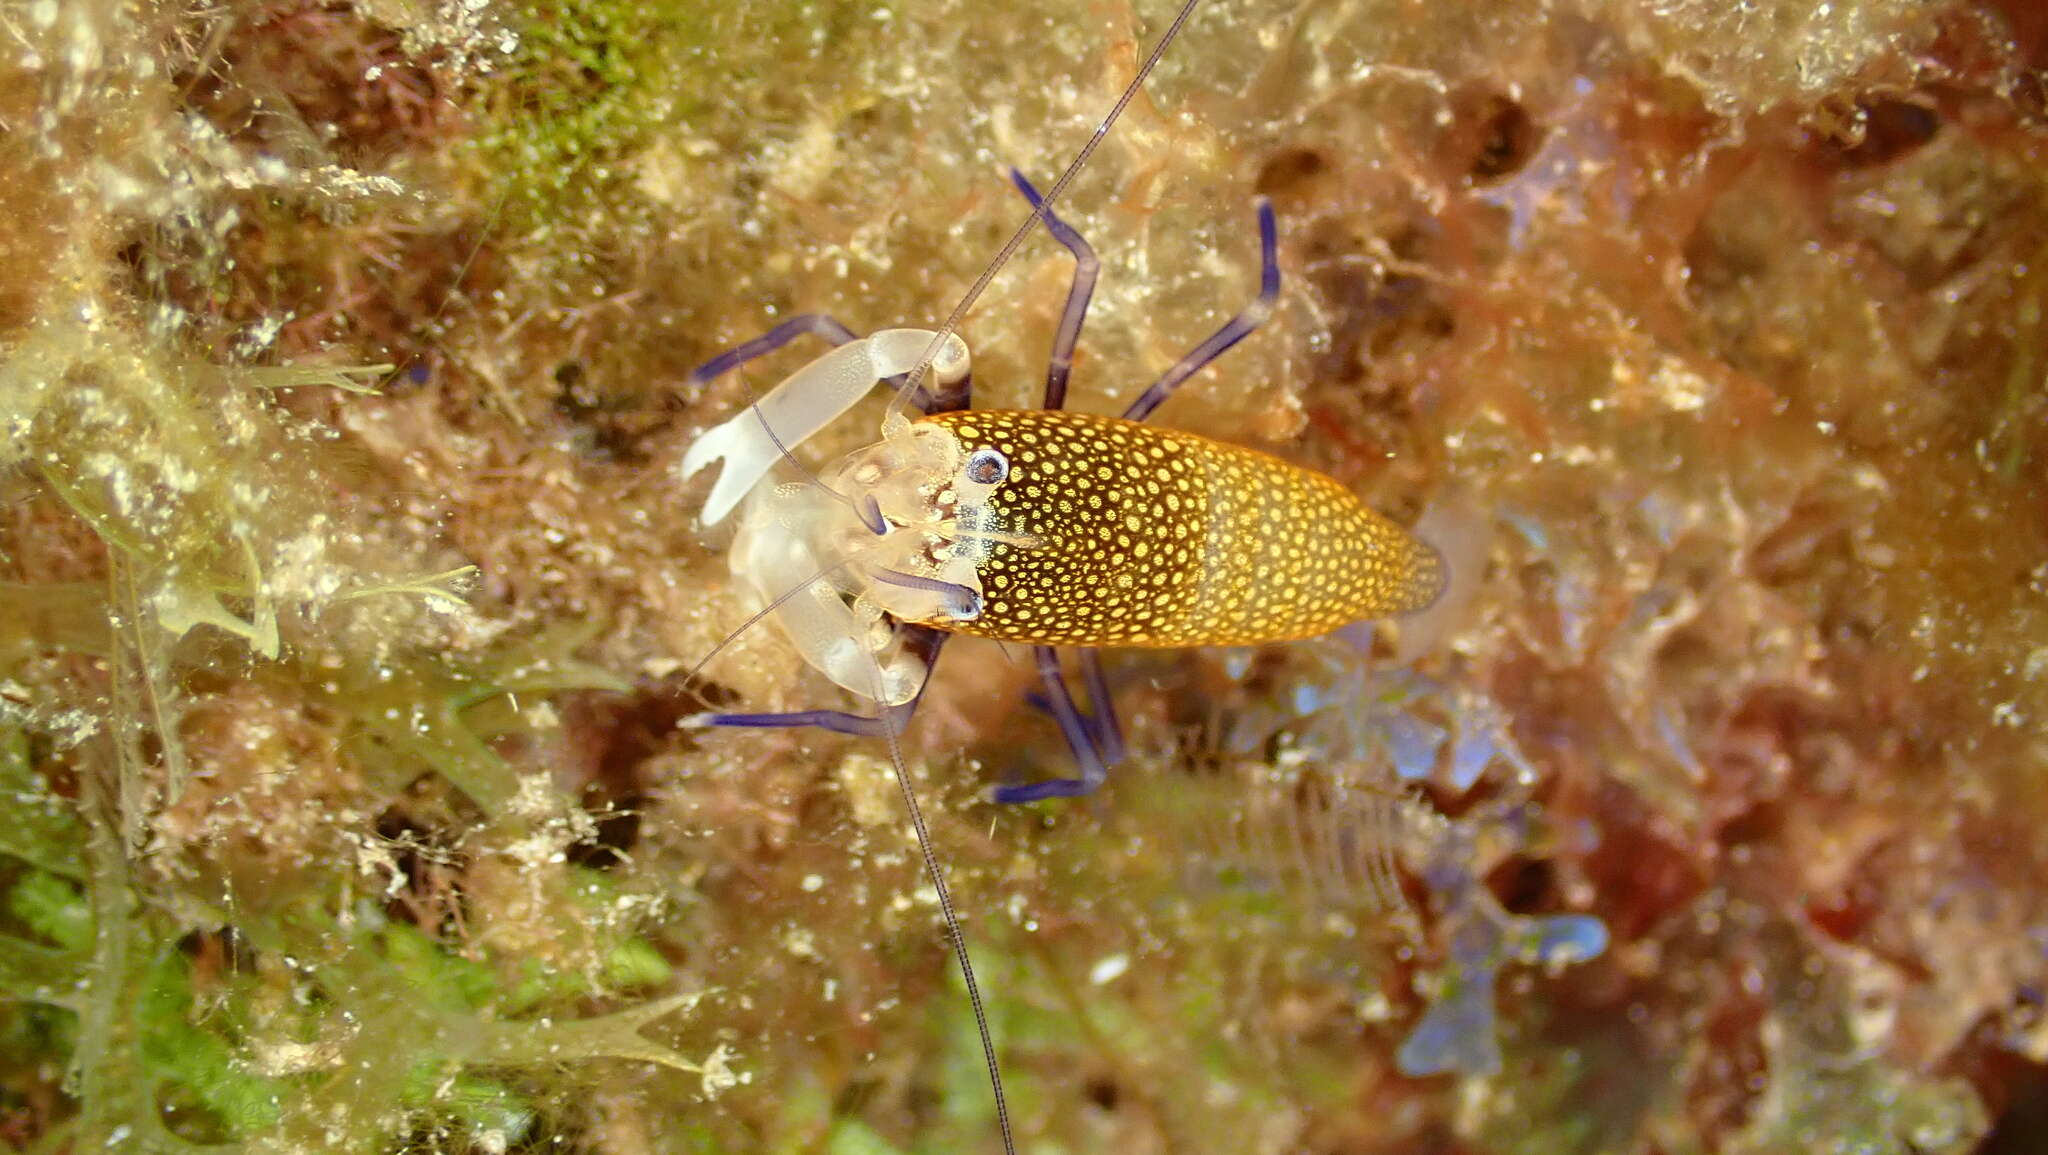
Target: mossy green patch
{"type": "Point", "coordinates": [197, 1052]}
{"type": "Point", "coordinates": [52, 907]}
{"type": "Point", "coordinates": [41, 829]}
{"type": "Point", "coordinates": [586, 84]}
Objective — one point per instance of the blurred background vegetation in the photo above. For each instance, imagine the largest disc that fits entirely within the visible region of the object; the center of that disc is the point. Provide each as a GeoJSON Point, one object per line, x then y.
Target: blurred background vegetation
{"type": "Point", "coordinates": [347, 592]}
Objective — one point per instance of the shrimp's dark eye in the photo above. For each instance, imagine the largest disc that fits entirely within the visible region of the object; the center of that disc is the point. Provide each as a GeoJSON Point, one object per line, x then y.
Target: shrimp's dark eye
{"type": "Point", "coordinates": [987, 466]}
{"type": "Point", "coordinates": [966, 605]}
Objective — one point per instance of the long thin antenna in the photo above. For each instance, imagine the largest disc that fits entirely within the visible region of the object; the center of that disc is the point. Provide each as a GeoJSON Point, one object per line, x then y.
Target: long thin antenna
{"type": "Point", "coordinates": [690, 677]}
{"type": "Point", "coordinates": [890, 721]}
{"type": "Point", "coordinates": [1043, 208]}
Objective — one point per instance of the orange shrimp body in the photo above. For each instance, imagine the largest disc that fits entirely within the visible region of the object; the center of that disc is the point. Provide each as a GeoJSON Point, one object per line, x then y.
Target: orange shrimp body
{"type": "Point", "coordinates": [1118, 533]}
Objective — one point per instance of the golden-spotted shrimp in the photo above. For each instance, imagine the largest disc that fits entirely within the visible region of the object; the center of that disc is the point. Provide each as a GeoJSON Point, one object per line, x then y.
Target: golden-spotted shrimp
{"type": "Point", "coordinates": [1036, 526]}
{"type": "Point", "coordinates": [1042, 527]}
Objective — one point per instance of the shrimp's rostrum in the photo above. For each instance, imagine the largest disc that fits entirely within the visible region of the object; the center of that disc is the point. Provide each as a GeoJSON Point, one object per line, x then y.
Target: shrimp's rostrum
{"type": "Point", "coordinates": [1115, 533]}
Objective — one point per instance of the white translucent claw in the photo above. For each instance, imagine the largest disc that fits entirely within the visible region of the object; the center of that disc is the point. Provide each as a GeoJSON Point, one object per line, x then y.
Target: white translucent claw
{"type": "Point", "coordinates": [807, 401]}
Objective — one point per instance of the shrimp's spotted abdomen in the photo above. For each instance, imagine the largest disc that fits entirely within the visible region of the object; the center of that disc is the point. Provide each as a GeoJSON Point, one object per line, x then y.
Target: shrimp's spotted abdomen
{"type": "Point", "coordinates": [1132, 535]}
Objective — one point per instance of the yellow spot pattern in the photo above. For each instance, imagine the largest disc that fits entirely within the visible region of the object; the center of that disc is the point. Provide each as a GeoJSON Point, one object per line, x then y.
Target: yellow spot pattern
{"type": "Point", "coordinates": [1154, 537]}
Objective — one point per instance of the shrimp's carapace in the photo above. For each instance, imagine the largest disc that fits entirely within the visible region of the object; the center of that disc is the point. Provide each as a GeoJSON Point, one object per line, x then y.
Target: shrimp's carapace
{"type": "Point", "coordinates": [1142, 536]}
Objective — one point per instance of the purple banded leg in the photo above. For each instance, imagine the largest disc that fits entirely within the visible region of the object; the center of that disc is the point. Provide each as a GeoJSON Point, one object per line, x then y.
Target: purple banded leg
{"type": "Point", "coordinates": [1086, 268]}
{"type": "Point", "coordinates": [949, 398]}
{"type": "Point", "coordinates": [922, 641]}
{"type": "Point", "coordinates": [837, 721]}
{"type": "Point", "coordinates": [1101, 725]}
{"type": "Point", "coordinates": [1233, 330]}
{"type": "Point", "coordinates": [1085, 735]}
{"type": "Point", "coordinates": [1109, 737]}
{"type": "Point", "coordinates": [814, 324]}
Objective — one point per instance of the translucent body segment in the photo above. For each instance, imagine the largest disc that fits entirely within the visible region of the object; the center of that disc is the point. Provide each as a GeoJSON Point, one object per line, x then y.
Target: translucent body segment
{"type": "Point", "coordinates": [825, 575]}
{"type": "Point", "coordinates": [1154, 537]}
